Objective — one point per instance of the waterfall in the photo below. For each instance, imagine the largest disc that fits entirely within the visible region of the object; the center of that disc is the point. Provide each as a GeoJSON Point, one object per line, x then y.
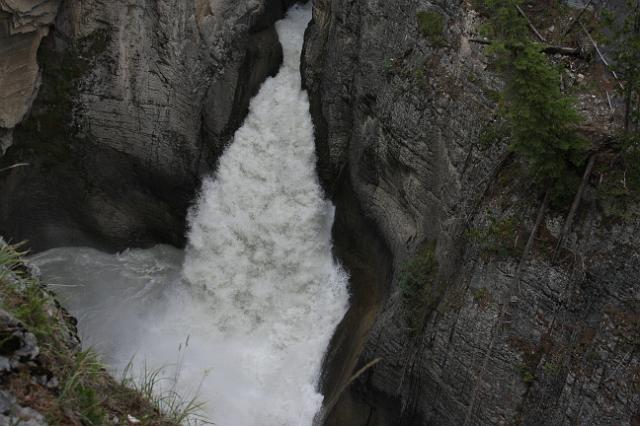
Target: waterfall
{"type": "Point", "coordinates": [246, 313]}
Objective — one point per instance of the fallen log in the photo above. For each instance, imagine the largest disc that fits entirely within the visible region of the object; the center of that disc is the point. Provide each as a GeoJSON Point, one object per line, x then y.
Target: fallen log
{"type": "Point", "coordinates": [548, 49]}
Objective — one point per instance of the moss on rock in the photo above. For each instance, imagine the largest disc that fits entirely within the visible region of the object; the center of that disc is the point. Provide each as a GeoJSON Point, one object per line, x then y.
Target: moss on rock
{"type": "Point", "coordinates": [431, 25]}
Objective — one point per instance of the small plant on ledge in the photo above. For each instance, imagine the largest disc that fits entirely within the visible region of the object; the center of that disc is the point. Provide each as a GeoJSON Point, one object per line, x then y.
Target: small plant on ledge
{"type": "Point", "coordinates": [418, 286]}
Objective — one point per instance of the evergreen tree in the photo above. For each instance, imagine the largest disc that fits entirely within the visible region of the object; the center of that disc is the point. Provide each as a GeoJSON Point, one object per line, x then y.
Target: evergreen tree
{"type": "Point", "coordinates": [539, 118]}
{"type": "Point", "coordinates": [627, 63]}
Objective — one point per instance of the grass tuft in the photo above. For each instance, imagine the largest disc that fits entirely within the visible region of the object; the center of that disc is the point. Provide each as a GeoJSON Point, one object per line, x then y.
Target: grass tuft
{"type": "Point", "coordinates": [80, 391]}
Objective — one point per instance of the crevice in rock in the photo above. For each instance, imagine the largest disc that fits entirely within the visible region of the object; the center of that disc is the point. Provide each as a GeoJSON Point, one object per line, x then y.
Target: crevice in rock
{"type": "Point", "coordinates": [360, 249]}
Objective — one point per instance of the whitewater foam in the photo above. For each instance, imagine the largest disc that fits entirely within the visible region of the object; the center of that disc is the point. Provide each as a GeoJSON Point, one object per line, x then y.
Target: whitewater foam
{"type": "Point", "coordinates": [257, 293]}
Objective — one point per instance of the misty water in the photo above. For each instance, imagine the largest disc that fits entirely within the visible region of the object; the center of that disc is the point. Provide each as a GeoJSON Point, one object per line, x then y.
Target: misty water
{"type": "Point", "coordinates": [244, 315]}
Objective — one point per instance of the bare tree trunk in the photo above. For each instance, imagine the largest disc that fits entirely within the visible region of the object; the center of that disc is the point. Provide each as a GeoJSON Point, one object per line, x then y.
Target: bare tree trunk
{"type": "Point", "coordinates": [533, 28]}
{"type": "Point", "coordinates": [599, 52]}
{"type": "Point", "coordinates": [574, 206]}
{"type": "Point", "coordinates": [529, 245]}
{"type": "Point", "coordinates": [577, 19]}
{"type": "Point", "coordinates": [548, 49]}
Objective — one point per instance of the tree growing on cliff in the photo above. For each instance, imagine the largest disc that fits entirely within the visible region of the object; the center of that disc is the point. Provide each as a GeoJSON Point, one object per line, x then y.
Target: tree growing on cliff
{"type": "Point", "coordinates": [540, 120]}
{"type": "Point", "coordinates": [628, 62]}
{"type": "Point", "coordinates": [626, 44]}
{"type": "Point", "coordinates": [623, 171]}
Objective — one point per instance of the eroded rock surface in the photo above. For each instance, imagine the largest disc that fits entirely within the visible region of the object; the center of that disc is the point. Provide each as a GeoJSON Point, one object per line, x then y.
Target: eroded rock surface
{"type": "Point", "coordinates": [137, 101]}
{"type": "Point", "coordinates": [18, 347]}
{"type": "Point", "coordinates": [398, 117]}
{"type": "Point", "coordinates": [13, 413]}
{"type": "Point", "coordinates": [23, 24]}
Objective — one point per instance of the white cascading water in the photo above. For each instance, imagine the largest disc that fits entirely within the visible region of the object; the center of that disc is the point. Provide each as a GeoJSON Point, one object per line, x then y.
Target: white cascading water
{"type": "Point", "coordinates": [245, 315]}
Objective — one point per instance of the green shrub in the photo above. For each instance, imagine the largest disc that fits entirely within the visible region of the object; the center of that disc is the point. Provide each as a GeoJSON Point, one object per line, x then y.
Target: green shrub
{"type": "Point", "coordinates": [551, 368]}
{"type": "Point", "coordinates": [88, 403]}
{"type": "Point", "coordinates": [564, 190]}
{"type": "Point", "coordinates": [431, 25]}
{"type": "Point", "coordinates": [625, 42]}
{"type": "Point", "coordinates": [491, 134]}
{"type": "Point", "coordinates": [500, 237]}
{"type": "Point", "coordinates": [528, 377]}
{"type": "Point", "coordinates": [620, 184]}
{"type": "Point", "coordinates": [418, 285]}
{"type": "Point", "coordinates": [481, 297]}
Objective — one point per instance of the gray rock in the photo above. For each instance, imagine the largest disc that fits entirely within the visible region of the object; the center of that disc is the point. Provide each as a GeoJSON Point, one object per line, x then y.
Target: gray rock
{"type": "Point", "coordinates": [18, 348]}
{"type": "Point", "coordinates": [398, 119]}
{"type": "Point", "coordinates": [6, 140]}
{"type": "Point", "coordinates": [12, 413]}
{"type": "Point", "coordinates": [16, 344]}
{"type": "Point", "coordinates": [138, 99]}
{"type": "Point", "coordinates": [23, 24]}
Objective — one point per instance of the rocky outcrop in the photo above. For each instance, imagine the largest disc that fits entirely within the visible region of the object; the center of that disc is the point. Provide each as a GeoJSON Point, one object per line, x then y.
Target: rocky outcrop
{"type": "Point", "coordinates": [398, 115]}
{"type": "Point", "coordinates": [46, 376]}
{"type": "Point", "coordinates": [23, 24]}
{"type": "Point", "coordinates": [25, 364]}
{"type": "Point", "coordinates": [138, 99]}
{"type": "Point", "coordinates": [19, 349]}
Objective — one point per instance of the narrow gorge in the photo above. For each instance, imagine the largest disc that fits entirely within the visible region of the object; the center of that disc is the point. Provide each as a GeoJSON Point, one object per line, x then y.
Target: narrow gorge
{"type": "Point", "coordinates": [232, 321]}
{"type": "Point", "coordinates": [327, 212]}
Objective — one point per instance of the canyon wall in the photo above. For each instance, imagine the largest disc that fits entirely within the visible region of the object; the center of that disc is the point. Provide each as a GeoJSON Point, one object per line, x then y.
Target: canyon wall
{"type": "Point", "coordinates": [124, 108]}
{"type": "Point", "coordinates": [23, 24]}
{"type": "Point", "coordinates": [399, 114]}
{"type": "Point", "coordinates": [112, 112]}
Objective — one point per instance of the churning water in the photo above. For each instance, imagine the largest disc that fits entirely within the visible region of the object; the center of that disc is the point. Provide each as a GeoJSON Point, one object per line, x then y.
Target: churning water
{"type": "Point", "coordinates": [247, 311]}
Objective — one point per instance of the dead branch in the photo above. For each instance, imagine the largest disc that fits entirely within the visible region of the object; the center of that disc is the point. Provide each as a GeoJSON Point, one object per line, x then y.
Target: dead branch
{"type": "Point", "coordinates": [327, 409]}
{"type": "Point", "coordinates": [537, 33]}
{"type": "Point", "coordinates": [529, 245]}
{"type": "Point", "coordinates": [548, 49]}
{"type": "Point", "coordinates": [14, 166]}
{"type": "Point", "coordinates": [573, 24]}
{"type": "Point", "coordinates": [602, 58]}
{"type": "Point", "coordinates": [609, 101]}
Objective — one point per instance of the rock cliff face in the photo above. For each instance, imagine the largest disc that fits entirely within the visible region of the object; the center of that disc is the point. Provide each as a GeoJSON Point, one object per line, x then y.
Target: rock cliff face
{"type": "Point", "coordinates": [23, 24]}
{"type": "Point", "coordinates": [137, 100]}
{"type": "Point", "coordinates": [398, 115]}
